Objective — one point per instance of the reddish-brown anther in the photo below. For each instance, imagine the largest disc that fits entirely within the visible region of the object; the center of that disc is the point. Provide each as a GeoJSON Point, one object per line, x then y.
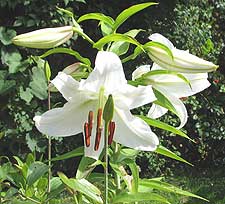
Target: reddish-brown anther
{"type": "Point", "coordinates": [98, 138]}
{"type": "Point", "coordinates": [86, 134]}
{"type": "Point", "coordinates": [90, 121]}
{"type": "Point", "coordinates": [112, 127]}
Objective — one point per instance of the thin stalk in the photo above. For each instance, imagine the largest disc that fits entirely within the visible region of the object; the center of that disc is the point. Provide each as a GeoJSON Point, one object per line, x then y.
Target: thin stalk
{"type": "Point", "coordinates": [49, 145]}
{"type": "Point", "coordinates": [83, 35]}
{"type": "Point", "coordinates": [106, 173]}
{"type": "Point", "coordinates": [75, 199]}
{"type": "Point", "coordinates": [117, 177]}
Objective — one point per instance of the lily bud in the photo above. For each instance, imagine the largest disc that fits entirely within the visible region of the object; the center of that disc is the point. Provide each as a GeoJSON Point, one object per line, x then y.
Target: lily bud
{"type": "Point", "coordinates": [162, 51]}
{"type": "Point", "coordinates": [44, 38]}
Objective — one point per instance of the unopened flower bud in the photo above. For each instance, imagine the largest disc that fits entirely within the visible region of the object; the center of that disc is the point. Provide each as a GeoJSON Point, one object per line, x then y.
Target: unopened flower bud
{"type": "Point", "coordinates": [44, 38]}
{"type": "Point", "coordinates": [181, 61]}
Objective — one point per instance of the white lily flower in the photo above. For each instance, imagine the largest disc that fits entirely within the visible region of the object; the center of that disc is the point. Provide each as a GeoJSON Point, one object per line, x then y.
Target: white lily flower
{"type": "Point", "coordinates": [173, 88]}
{"type": "Point", "coordinates": [182, 61]}
{"type": "Point", "coordinates": [44, 38]}
{"type": "Point", "coordinates": [85, 100]}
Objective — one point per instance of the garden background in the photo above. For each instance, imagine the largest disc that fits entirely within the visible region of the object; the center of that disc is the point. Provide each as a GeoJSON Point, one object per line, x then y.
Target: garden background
{"type": "Point", "coordinates": [197, 25]}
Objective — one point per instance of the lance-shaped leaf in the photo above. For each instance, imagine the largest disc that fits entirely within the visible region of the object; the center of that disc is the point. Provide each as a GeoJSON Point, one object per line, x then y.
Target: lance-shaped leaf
{"type": "Point", "coordinates": [116, 37]}
{"type": "Point", "coordinates": [69, 52]}
{"type": "Point", "coordinates": [124, 15]}
{"type": "Point", "coordinates": [166, 152]}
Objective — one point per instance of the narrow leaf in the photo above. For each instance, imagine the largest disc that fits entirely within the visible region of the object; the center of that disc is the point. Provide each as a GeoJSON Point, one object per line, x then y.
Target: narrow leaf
{"type": "Point", "coordinates": [97, 16]}
{"type": "Point", "coordinates": [74, 153]}
{"type": "Point", "coordinates": [164, 126]}
{"type": "Point", "coordinates": [115, 37]}
{"type": "Point", "coordinates": [166, 152]}
{"type": "Point", "coordinates": [124, 15]}
{"type": "Point", "coordinates": [67, 51]}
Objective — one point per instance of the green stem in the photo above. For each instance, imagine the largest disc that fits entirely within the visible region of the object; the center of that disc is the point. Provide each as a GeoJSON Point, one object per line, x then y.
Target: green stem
{"type": "Point", "coordinates": [83, 35]}
{"type": "Point", "coordinates": [106, 162]}
{"type": "Point", "coordinates": [117, 177]}
{"type": "Point", "coordinates": [75, 199]}
{"type": "Point", "coordinates": [49, 145]}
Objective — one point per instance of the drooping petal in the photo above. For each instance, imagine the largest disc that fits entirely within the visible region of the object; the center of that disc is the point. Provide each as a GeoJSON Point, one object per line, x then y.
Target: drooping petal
{"type": "Point", "coordinates": [177, 104]}
{"type": "Point", "coordinates": [140, 71]}
{"type": "Point", "coordinates": [177, 86]}
{"type": "Point", "coordinates": [156, 111]}
{"type": "Point", "coordinates": [108, 72]}
{"type": "Point", "coordinates": [66, 85]}
{"type": "Point", "coordinates": [134, 97]}
{"type": "Point", "coordinates": [64, 121]}
{"type": "Point", "coordinates": [133, 132]}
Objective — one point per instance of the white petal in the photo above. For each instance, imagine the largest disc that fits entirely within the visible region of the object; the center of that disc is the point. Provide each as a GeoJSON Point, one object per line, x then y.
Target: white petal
{"type": "Point", "coordinates": [140, 71]}
{"type": "Point", "coordinates": [133, 96]}
{"type": "Point", "coordinates": [156, 111]}
{"type": "Point", "coordinates": [64, 121]}
{"type": "Point", "coordinates": [108, 72]}
{"type": "Point", "coordinates": [133, 132]}
{"type": "Point", "coordinates": [161, 39]}
{"type": "Point", "coordinates": [66, 85]}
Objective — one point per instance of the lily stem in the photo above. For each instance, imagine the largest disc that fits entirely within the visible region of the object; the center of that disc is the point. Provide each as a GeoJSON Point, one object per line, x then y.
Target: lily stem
{"type": "Point", "coordinates": [83, 35]}
{"type": "Point", "coordinates": [117, 177]}
{"type": "Point", "coordinates": [49, 145]}
{"type": "Point", "coordinates": [106, 181]}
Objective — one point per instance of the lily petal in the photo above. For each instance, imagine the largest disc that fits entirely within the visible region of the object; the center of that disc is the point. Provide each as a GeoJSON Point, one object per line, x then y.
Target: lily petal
{"type": "Point", "coordinates": [156, 111]}
{"type": "Point", "coordinates": [156, 37]}
{"type": "Point", "coordinates": [66, 85]}
{"type": "Point", "coordinates": [137, 73]}
{"type": "Point", "coordinates": [177, 104]}
{"type": "Point", "coordinates": [134, 97]}
{"type": "Point", "coordinates": [133, 132]}
{"type": "Point", "coordinates": [63, 121]}
{"type": "Point", "coordinates": [108, 72]}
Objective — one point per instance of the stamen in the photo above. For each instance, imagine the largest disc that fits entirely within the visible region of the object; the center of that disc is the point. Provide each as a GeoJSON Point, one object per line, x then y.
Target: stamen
{"type": "Point", "coordinates": [98, 138]}
{"type": "Point", "coordinates": [98, 129]}
{"type": "Point", "coordinates": [112, 127]}
{"type": "Point", "coordinates": [87, 134]}
{"type": "Point", "coordinates": [90, 121]}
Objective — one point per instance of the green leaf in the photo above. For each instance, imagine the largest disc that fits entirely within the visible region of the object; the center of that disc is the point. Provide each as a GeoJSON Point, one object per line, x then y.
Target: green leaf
{"type": "Point", "coordinates": [164, 126]}
{"type": "Point", "coordinates": [164, 101]}
{"type": "Point", "coordinates": [115, 37]}
{"type": "Point", "coordinates": [11, 57]}
{"type": "Point", "coordinates": [47, 71]}
{"type": "Point", "coordinates": [105, 28]}
{"type": "Point", "coordinates": [6, 86]}
{"type": "Point", "coordinates": [163, 186]}
{"type": "Point", "coordinates": [35, 172]}
{"type": "Point", "coordinates": [6, 35]}
{"type": "Point", "coordinates": [166, 152]}
{"type": "Point", "coordinates": [38, 84]}
{"type": "Point", "coordinates": [97, 16]}
{"type": "Point", "coordinates": [137, 51]}
{"type": "Point", "coordinates": [69, 52]}
{"type": "Point", "coordinates": [135, 175]}
{"type": "Point", "coordinates": [85, 167]}
{"type": "Point", "coordinates": [74, 153]}
{"type": "Point", "coordinates": [121, 47]}
{"type": "Point", "coordinates": [56, 187]}
{"type": "Point", "coordinates": [124, 15]}
{"type": "Point", "coordinates": [26, 95]}
{"type": "Point", "coordinates": [83, 186]}
{"type": "Point", "coordinates": [127, 197]}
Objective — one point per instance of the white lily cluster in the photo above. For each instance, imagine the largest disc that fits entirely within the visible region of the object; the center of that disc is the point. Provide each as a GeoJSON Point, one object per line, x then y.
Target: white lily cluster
{"type": "Point", "coordinates": [172, 86]}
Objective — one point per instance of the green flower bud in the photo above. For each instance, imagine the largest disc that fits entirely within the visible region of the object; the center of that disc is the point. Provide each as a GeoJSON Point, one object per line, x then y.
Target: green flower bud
{"type": "Point", "coordinates": [44, 38]}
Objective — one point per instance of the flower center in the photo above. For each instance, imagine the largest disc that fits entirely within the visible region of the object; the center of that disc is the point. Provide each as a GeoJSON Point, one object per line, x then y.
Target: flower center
{"type": "Point", "coordinates": [88, 126]}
